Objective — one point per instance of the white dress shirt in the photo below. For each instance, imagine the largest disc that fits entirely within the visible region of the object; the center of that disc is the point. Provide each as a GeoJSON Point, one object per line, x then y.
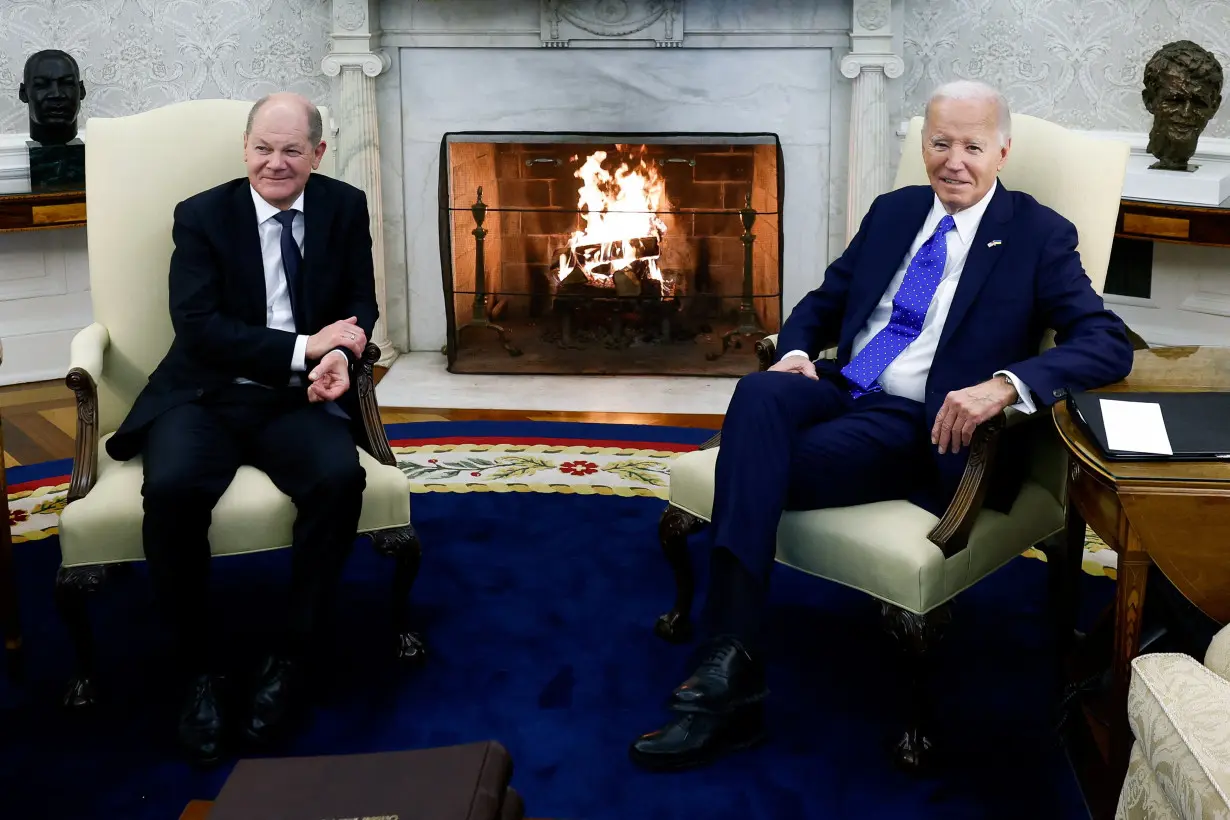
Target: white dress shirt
{"type": "Point", "coordinates": [906, 376]}
{"type": "Point", "coordinates": [279, 315]}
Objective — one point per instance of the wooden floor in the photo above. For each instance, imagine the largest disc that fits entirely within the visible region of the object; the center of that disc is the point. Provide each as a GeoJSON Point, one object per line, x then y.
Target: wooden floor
{"type": "Point", "coordinates": [40, 420]}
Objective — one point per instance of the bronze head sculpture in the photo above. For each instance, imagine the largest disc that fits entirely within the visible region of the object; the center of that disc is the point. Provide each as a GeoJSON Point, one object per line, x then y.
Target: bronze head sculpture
{"type": "Point", "coordinates": [1182, 91]}
{"type": "Point", "coordinates": [52, 87]}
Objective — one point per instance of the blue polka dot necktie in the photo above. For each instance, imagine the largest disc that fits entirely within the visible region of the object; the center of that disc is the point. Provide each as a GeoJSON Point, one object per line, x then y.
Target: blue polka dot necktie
{"type": "Point", "coordinates": [910, 304]}
{"type": "Point", "coordinates": [291, 261]}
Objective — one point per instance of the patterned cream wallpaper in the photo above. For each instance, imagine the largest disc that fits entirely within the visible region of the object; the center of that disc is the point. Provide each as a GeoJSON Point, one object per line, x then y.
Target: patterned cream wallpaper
{"type": "Point", "coordinates": [1077, 62]}
{"type": "Point", "coordinates": [142, 54]}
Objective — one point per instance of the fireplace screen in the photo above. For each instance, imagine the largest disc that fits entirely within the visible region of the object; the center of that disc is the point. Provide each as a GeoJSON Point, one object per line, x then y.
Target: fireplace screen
{"type": "Point", "coordinates": [610, 253]}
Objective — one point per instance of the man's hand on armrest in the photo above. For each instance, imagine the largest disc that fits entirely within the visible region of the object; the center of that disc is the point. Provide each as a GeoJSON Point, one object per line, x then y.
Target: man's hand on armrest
{"type": "Point", "coordinates": [796, 361]}
{"type": "Point", "coordinates": [964, 410]}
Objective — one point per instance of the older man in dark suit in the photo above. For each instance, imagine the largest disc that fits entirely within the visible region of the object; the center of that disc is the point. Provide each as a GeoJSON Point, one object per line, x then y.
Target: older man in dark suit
{"type": "Point", "coordinates": [938, 309]}
{"type": "Point", "coordinates": [272, 299]}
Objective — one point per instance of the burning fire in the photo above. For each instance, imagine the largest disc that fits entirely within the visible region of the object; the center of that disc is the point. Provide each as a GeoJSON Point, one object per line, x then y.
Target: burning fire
{"type": "Point", "coordinates": [622, 227]}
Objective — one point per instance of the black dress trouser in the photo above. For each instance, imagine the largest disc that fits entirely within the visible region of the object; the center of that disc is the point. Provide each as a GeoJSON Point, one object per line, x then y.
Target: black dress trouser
{"type": "Point", "coordinates": [190, 455]}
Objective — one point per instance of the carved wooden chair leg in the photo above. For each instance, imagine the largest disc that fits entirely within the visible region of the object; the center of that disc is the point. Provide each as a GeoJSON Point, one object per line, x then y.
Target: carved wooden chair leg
{"type": "Point", "coordinates": [673, 530]}
{"type": "Point", "coordinates": [403, 546]}
{"type": "Point", "coordinates": [73, 586]}
{"type": "Point", "coordinates": [916, 635]}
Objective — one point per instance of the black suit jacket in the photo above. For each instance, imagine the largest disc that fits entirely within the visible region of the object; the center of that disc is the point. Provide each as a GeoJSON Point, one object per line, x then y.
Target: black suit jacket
{"type": "Point", "coordinates": [218, 302]}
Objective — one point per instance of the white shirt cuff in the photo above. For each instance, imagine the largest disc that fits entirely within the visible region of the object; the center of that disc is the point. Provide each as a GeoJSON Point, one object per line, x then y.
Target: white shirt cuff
{"type": "Point", "coordinates": [1025, 403]}
{"type": "Point", "coordinates": [802, 353]}
{"type": "Point", "coordinates": [298, 359]}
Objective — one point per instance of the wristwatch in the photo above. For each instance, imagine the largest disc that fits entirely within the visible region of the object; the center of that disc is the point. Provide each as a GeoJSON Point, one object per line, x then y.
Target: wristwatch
{"type": "Point", "coordinates": [1004, 378]}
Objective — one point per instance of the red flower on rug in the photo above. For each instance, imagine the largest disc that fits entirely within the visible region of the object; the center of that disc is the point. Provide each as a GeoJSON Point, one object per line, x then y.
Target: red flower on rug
{"type": "Point", "coordinates": [578, 468]}
{"type": "Point", "coordinates": [17, 516]}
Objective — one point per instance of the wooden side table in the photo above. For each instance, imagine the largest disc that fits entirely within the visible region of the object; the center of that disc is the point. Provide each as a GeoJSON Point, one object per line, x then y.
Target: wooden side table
{"type": "Point", "coordinates": [1174, 515]}
{"type": "Point", "coordinates": [10, 623]}
{"type": "Point", "coordinates": [1174, 222]}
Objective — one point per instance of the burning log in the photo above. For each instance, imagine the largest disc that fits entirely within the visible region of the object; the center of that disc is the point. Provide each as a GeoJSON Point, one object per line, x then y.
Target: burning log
{"type": "Point", "coordinates": [625, 285]}
{"type": "Point", "coordinates": [639, 247]}
{"type": "Point", "coordinates": [575, 277]}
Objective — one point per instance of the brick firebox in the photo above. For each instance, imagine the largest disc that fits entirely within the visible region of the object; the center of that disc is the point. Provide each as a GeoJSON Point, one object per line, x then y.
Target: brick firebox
{"type": "Point", "coordinates": [531, 193]}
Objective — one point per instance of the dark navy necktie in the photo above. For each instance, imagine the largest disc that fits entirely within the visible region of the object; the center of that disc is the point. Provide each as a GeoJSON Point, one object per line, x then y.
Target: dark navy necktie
{"type": "Point", "coordinates": [910, 304]}
{"type": "Point", "coordinates": [292, 260]}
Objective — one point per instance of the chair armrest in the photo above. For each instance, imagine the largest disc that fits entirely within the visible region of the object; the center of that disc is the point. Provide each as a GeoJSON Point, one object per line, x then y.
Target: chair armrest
{"type": "Point", "coordinates": [766, 349]}
{"type": "Point", "coordinates": [85, 370]}
{"type": "Point", "coordinates": [374, 439]}
{"type": "Point", "coordinates": [951, 533]}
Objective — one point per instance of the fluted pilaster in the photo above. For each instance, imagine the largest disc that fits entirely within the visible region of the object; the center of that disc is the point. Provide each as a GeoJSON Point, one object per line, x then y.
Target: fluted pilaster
{"type": "Point", "coordinates": [870, 64]}
{"type": "Point", "coordinates": [356, 64]}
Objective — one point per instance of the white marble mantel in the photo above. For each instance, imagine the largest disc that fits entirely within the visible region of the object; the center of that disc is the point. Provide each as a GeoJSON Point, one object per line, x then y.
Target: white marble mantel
{"type": "Point", "coordinates": [787, 66]}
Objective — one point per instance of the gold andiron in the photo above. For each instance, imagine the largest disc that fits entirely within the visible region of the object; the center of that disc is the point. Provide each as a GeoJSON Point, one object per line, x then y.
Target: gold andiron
{"type": "Point", "coordinates": [479, 316]}
{"type": "Point", "coordinates": [749, 324]}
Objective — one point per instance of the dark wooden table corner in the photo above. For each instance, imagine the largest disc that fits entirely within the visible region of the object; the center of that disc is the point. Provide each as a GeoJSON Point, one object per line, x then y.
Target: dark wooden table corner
{"type": "Point", "coordinates": [1168, 514]}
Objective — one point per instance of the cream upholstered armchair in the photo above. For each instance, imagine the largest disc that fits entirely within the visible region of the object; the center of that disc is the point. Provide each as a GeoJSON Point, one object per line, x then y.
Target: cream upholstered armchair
{"type": "Point", "coordinates": [1180, 763]}
{"type": "Point", "coordinates": [913, 562]}
{"type": "Point", "coordinates": [137, 169]}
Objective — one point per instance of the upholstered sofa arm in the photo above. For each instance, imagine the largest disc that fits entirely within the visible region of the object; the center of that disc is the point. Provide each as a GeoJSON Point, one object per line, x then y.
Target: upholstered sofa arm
{"type": "Point", "coordinates": [85, 371]}
{"type": "Point", "coordinates": [374, 439]}
{"type": "Point", "coordinates": [1178, 711]}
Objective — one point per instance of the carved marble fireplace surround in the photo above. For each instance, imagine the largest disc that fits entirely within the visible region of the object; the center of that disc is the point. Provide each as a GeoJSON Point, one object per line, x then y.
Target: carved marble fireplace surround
{"type": "Point", "coordinates": [816, 72]}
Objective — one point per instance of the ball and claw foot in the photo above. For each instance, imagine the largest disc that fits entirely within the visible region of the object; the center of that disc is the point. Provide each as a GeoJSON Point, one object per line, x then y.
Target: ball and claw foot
{"type": "Point", "coordinates": [411, 648]}
{"type": "Point", "coordinates": [673, 628]}
{"type": "Point", "coordinates": [81, 694]}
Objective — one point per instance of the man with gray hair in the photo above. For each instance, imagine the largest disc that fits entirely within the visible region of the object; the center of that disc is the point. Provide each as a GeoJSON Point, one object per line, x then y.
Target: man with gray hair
{"type": "Point", "coordinates": [937, 310]}
{"type": "Point", "coordinates": [272, 297]}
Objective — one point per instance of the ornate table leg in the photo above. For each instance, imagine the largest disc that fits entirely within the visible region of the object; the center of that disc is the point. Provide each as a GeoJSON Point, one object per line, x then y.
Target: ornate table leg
{"type": "Point", "coordinates": [1132, 575]}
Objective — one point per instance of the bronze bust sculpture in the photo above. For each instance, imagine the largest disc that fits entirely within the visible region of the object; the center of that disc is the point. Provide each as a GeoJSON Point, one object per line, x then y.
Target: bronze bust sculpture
{"type": "Point", "coordinates": [1182, 91]}
{"type": "Point", "coordinates": [53, 89]}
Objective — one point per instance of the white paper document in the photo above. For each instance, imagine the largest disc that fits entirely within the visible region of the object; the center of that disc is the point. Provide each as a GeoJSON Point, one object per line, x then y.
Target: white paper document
{"type": "Point", "coordinates": [1135, 427]}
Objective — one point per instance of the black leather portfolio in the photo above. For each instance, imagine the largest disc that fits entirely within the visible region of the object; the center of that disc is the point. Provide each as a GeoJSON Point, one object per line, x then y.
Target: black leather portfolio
{"type": "Point", "coordinates": [1197, 424]}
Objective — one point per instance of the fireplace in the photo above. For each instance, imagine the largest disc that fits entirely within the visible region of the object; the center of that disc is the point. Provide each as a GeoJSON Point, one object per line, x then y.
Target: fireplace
{"type": "Point", "coordinates": [610, 253]}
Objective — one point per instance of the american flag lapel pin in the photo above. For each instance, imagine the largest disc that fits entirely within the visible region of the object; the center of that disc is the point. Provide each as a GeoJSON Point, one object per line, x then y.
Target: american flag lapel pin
{"type": "Point", "coordinates": [995, 242]}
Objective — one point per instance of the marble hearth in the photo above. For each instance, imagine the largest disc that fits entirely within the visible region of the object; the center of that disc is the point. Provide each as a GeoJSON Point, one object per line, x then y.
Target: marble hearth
{"type": "Point", "coordinates": [795, 68]}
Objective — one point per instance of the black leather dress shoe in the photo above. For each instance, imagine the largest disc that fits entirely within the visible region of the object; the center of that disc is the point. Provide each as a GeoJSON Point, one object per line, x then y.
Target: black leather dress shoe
{"type": "Point", "coordinates": [695, 738]}
{"type": "Point", "coordinates": [717, 710]}
{"type": "Point", "coordinates": [727, 678]}
{"type": "Point", "coordinates": [275, 702]}
{"type": "Point", "coordinates": [202, 721]}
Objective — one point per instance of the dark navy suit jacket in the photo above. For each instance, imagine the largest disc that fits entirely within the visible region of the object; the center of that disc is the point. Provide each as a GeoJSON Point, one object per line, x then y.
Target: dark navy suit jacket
{"type": "Point", "coordinates": [1009, 294]}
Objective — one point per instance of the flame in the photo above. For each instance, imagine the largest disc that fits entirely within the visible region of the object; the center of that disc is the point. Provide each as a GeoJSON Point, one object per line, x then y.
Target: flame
{"type": "Point", "coordinates": [617, 208]}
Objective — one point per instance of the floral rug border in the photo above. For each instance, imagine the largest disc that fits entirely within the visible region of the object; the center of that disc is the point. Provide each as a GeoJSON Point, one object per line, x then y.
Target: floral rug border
{"type": "Point", "coordinates": [34, 506]}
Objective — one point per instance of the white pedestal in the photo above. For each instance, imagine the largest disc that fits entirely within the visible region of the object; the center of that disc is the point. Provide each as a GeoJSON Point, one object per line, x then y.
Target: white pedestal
{"type": "Point", "coordinates": [1209, 184]}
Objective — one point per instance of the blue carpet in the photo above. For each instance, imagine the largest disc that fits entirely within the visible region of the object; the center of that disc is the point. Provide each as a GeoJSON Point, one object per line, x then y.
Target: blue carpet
{"type": "Point", "coordinates": [539, 609]}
